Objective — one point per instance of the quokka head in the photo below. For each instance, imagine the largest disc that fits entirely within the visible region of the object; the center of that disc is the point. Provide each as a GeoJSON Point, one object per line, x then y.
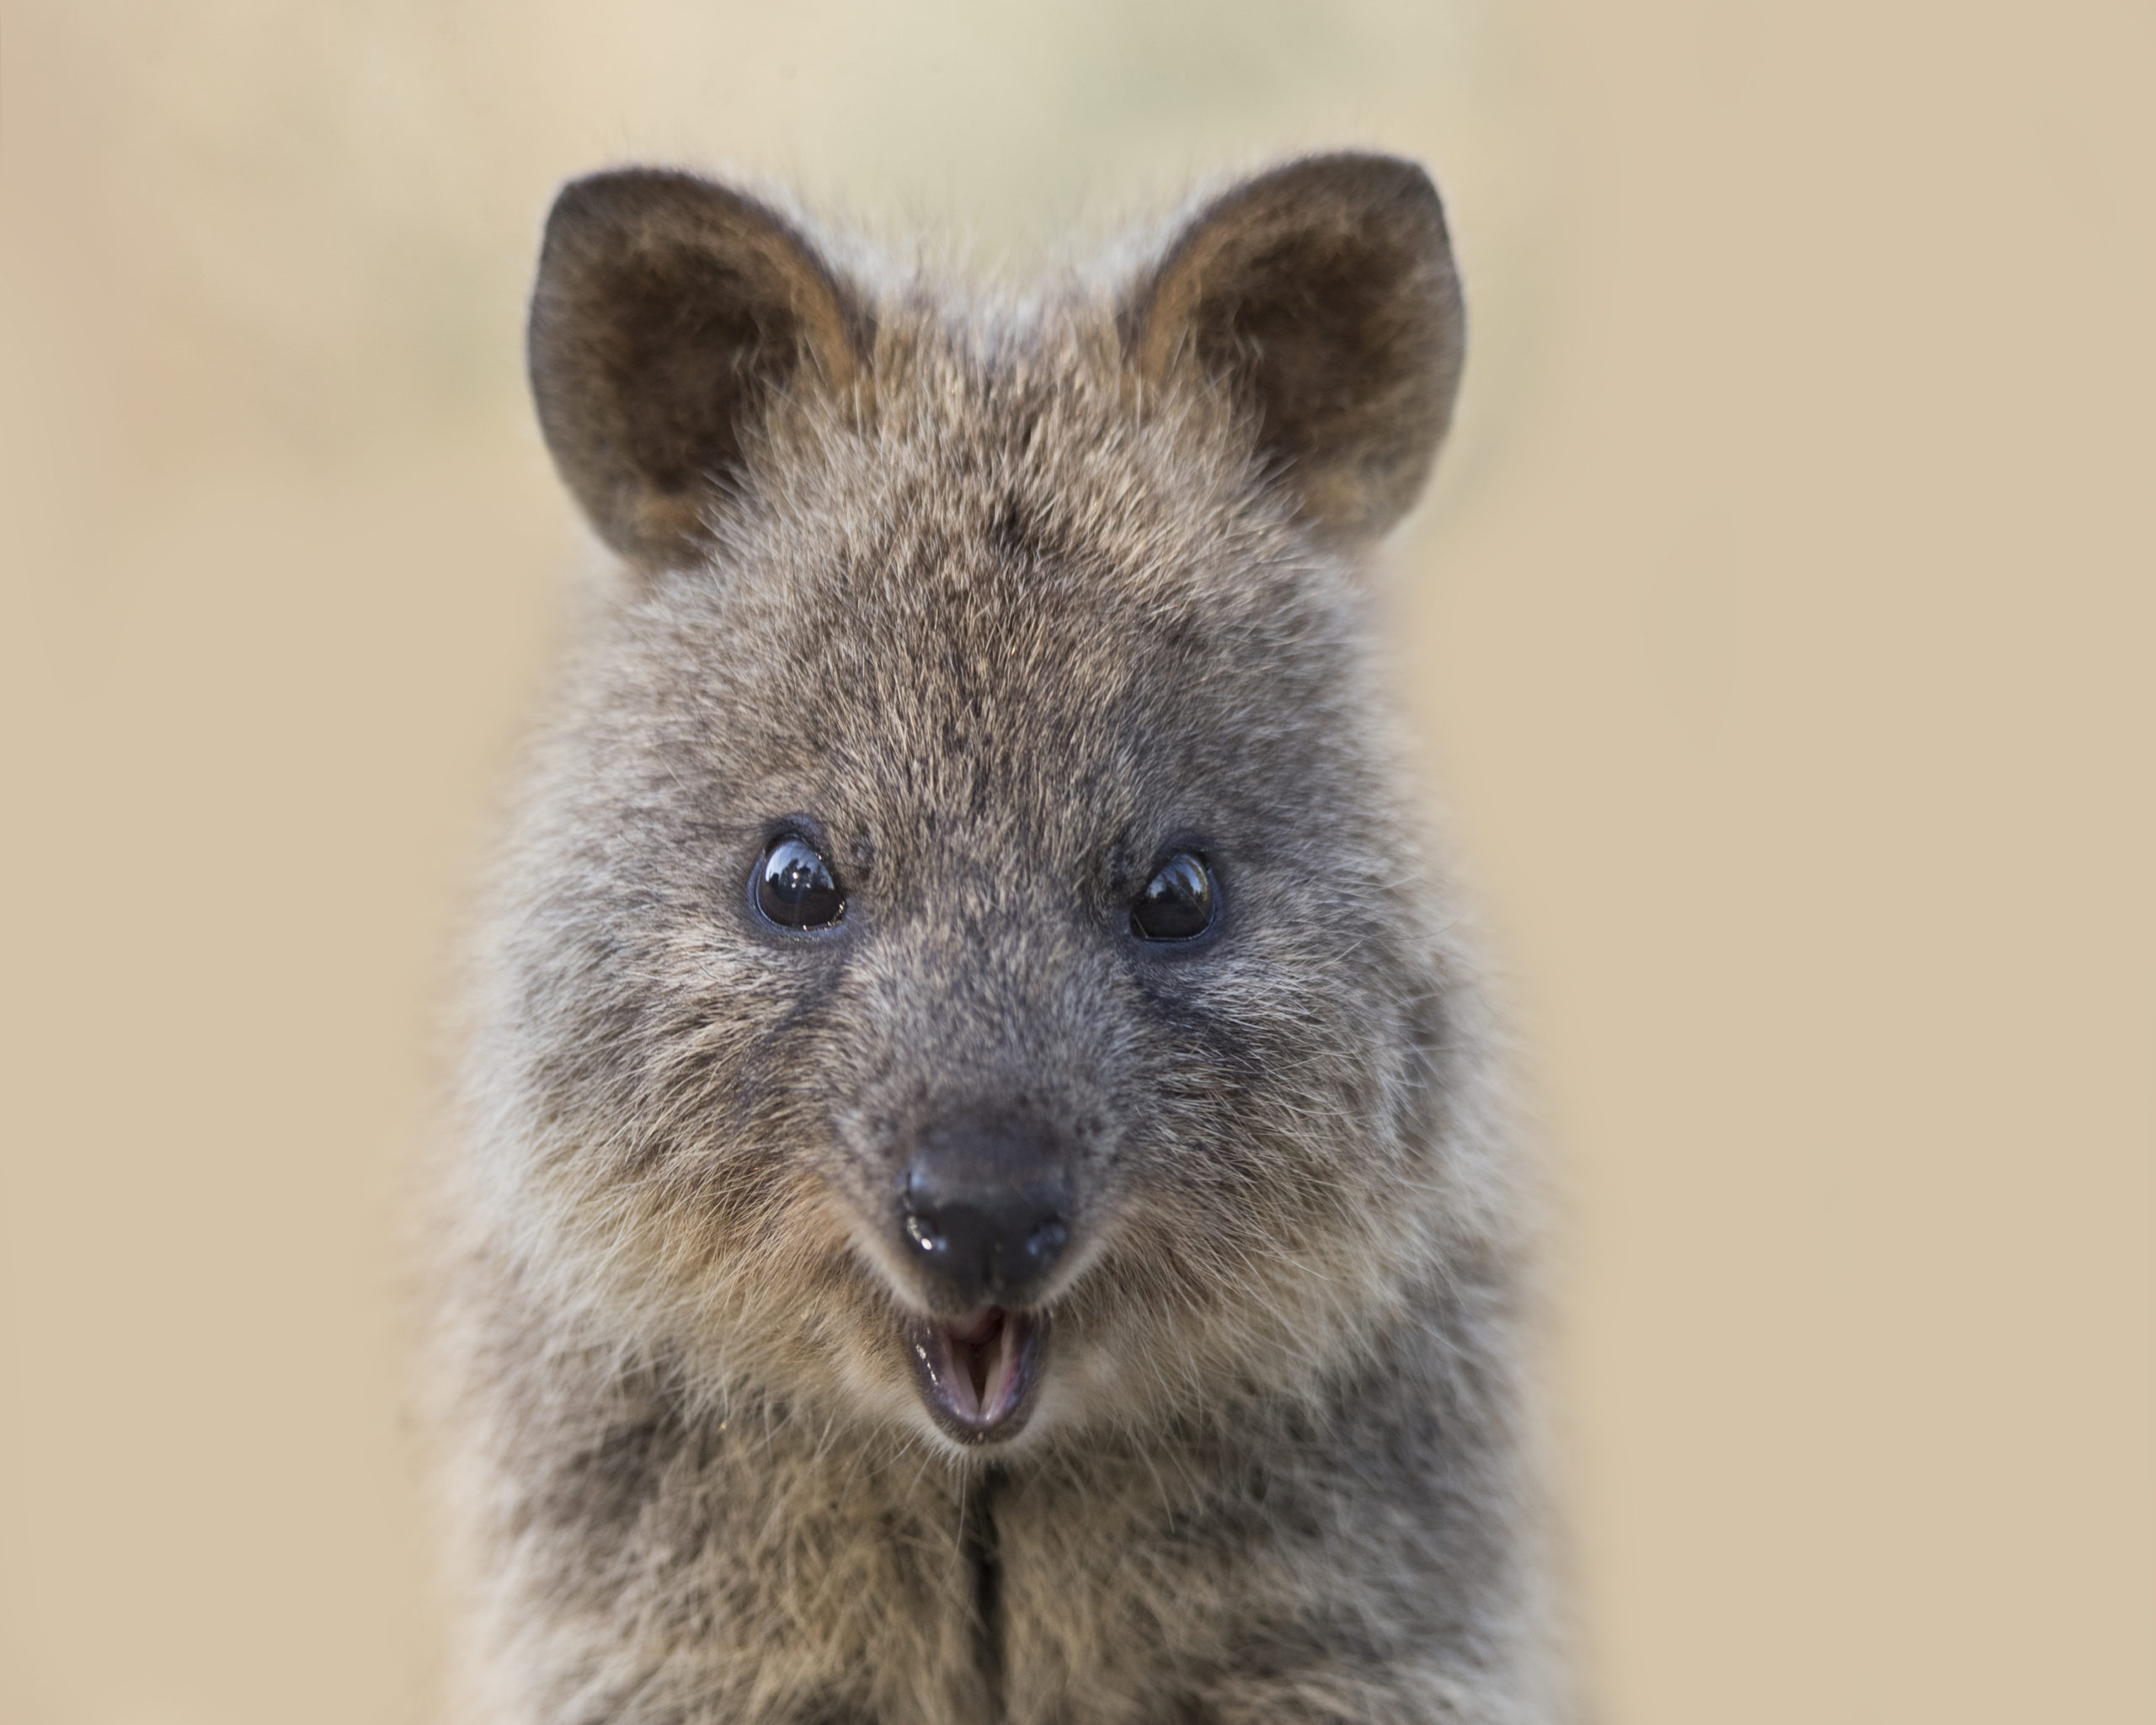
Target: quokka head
{"type": "Point", "coordinates": [963, 963]}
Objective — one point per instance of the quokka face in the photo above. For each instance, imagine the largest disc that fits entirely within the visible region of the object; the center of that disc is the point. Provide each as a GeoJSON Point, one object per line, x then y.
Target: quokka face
{"type": "Point", "coordinates": [962, 966]}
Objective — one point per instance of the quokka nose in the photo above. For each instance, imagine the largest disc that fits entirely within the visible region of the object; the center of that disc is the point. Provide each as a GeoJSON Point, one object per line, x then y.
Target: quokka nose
{"type": "Point", "coordinates": [988, 1214]}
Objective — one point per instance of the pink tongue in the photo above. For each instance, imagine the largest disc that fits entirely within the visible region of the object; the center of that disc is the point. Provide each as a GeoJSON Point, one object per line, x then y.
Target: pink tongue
{"type": "Point", "coordinates": [978, 1344]}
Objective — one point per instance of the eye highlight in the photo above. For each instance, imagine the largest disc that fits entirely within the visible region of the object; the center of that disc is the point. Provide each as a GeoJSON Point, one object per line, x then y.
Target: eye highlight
{"type": "Point", "coordinates": [1180, 902]}
{"type": "Point", "coordinates": [793, 887]}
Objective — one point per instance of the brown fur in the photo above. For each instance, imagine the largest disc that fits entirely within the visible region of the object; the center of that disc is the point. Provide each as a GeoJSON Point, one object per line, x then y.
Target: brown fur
{"type": "Point", "coordinates": [999, 604]}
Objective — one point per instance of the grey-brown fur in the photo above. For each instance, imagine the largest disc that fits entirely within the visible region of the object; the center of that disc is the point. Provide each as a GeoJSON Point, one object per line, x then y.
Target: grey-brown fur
{"type": "Point", "coordinates": [999, 604]}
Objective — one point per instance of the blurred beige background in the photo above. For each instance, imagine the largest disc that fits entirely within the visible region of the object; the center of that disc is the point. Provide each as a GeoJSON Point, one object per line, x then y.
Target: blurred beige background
{"type": "Point", "coordinates": [1781, 628]}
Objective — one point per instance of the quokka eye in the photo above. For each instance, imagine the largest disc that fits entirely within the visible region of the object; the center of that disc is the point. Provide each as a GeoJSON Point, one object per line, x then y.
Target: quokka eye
{"type": "Point", "coordinates": [1179, 902]}
{"type": "Point", "coordinates": [794, 887]}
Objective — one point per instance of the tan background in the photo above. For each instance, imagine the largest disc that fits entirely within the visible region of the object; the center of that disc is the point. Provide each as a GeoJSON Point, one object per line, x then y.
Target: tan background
{"type": "Point", "coordinates": [1782, 626]}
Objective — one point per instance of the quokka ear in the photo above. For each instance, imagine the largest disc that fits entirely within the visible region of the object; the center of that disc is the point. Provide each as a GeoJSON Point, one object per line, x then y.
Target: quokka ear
{"type": "Point", "coordinates": [1323, 293]}
{"type": "Point", "coordinates": [669, 313]}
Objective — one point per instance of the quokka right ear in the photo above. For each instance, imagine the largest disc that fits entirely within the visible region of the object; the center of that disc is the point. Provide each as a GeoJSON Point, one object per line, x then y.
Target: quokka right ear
{"type": "Point", "coordinates": [669, 313]}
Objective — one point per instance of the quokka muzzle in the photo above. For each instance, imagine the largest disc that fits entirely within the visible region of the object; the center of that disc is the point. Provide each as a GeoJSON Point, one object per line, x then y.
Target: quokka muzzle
{"type": "Point", "coordinates": [985, 1212]}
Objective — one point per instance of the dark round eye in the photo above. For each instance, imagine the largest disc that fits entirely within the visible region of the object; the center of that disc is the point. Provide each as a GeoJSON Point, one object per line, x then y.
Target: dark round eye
{"type": "Point", "coordinates": [794, 886]}
{"type": "Point", "coordinates": [1179, 902]}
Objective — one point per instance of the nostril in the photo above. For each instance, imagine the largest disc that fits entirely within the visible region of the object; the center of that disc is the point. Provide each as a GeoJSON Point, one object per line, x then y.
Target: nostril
{"type": "Point", "coordinates": [924, 1234]}
{"type": "Point", "coordinates": [1046, 1241]}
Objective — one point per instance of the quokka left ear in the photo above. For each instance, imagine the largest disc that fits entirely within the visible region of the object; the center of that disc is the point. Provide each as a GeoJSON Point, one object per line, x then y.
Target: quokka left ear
{"type": "Point", "coordinates": [1323, 293]}
{"type": "Point", "coordinates": [669, 313]}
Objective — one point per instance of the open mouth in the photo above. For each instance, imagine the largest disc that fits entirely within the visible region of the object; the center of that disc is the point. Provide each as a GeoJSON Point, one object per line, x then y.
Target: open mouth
{"type": "Point", "coordinates": [977, 1372]}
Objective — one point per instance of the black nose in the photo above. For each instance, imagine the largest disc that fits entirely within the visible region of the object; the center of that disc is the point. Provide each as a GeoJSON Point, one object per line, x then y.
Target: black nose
{"type": "Point", "coordinates": [987, 1210]}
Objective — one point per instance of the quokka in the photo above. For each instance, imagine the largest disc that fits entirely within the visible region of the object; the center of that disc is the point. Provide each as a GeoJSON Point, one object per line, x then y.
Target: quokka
{"type": "Point", "coordinates": [981, 1190]}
